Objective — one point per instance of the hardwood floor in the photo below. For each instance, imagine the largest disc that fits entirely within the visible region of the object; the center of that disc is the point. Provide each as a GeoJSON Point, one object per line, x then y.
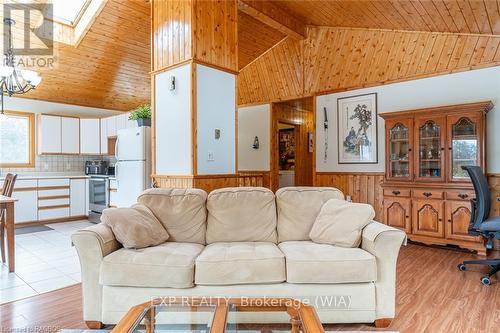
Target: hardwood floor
{"type": "Point", "coordinates": [433, 296]}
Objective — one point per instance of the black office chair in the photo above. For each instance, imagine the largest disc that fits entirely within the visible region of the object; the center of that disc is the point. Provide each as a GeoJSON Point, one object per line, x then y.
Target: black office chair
{"type": "Point", "coordinates": [481, 223]}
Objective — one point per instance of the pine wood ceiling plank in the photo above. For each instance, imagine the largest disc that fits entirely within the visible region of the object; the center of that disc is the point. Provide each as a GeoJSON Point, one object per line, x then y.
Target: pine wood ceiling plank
{"type": "Point", "coordinates": [344, 57]}
{"type": "Point", "coordinates": [466, 56]}
{"type": "Point", "coordinates": [434, 14]}
{"type": "Point", "coordinates": [481, 16]}
{"type": "Point", "coordinates": [383, 57]}
{"type": "Point", "coordinates": [445, 15]}
{"type": "Point", "coordinates": [351, 73]}
{"type": "Point", "coordinates": [457, 52]}
{"type": "Point", "coordinates": [408, 11]}
{"type": "Point", "coordinates": [497, 55]}
{"type": "Point", "coordinates": [418, 54]}
{"type": "Point", "coordinates": [384, 38]}
{"type": "Point", "coordinates": [410, 50]}
{"type": "Point", "coordinates": [468, 16]}
{"type": "Point", "coordinates": [394, 55]}
{"type": "Point", "coordinates": [447, 53]}
{"type": "Point", "coordinates": [399, 62]}
{"type": "Point", "coordinates": [274, 16]}
{"type": "Point", "coordinates": [426, 54]}
{"type": "Point", "coordinates": [479, 49]}
{"type": "Point", "coordinates": [384, 22]}
{"type": "Point", "coordinates": [436, 53]}
{"type": "Point", "coordinates": [458, 17]}
{"type": "Point", "coordinates": [368, 55]}
{"type": "Point", "coordinates": [493, 11]}
{"type": "Point", "coordinates": [490, 49]}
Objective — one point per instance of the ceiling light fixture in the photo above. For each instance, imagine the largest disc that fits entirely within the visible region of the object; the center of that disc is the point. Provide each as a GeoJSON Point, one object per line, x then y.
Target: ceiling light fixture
{"type": "Point", "coordinates": [15, 80]}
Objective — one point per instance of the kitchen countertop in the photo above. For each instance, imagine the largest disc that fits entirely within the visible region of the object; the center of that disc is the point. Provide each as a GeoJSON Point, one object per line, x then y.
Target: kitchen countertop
{"type": "Point", "coordinates": [49, 175]}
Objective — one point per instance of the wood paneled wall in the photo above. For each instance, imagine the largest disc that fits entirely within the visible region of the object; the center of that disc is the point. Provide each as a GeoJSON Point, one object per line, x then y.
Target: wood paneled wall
{"type": "Point", "coordinates": [212, 182]}
{"type": "Point", "coordinates": [301, 114]}
{"type": "Point", "coordinates": [366, 188]}
{"type": "Point", "coordinates": [171, 30]}
{"type": "Point", "coordinates": [206, 31]}
{"type": "Point", "coordinates": [336, 59]}
{"type": "Point", "coordinates": [362, 187]}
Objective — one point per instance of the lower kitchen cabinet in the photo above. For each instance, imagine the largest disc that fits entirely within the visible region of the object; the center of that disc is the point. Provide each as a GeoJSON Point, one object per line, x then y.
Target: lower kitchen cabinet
{"type": "Point", "coordinates": [78, 195]}
{"type": "Point", "coordinates": [26, 208]}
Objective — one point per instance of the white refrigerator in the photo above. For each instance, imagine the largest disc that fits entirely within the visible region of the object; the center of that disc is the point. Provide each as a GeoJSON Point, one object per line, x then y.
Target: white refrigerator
{"type": "Point", "coordinates": [133, 164]}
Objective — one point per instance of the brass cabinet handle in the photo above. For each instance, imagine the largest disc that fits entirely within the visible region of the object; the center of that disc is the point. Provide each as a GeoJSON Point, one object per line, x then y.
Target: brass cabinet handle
{"type": "Point", "coordinates": [463, 195]}
{"type": "Point", "coordinates": [396, 192]}
{"type": "Point", "coordinates": [427, 194]}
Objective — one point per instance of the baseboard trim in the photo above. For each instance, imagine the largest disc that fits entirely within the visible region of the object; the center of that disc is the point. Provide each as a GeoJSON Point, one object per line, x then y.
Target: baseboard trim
{"type": "Point", "coordinates": [58, 220]}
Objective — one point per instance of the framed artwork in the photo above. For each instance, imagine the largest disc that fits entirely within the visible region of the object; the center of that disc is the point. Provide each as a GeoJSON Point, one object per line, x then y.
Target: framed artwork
{"type": "Point", "coordinates": [357, 128]}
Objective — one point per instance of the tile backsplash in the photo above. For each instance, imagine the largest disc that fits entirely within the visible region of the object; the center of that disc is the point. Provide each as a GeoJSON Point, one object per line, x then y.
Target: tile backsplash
{"type": "Point", "coordinates": [59, 163]}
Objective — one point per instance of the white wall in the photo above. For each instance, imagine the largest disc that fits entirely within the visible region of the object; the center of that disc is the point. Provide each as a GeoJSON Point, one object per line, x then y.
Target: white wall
{"type": "Point", "coordinates": [254, 121]}
{"type": "Point", "coordinates": [173, 122]}
{"type": "Point", "coordinates": [36, 106]}
{"type": "Point", "coordinates": [215, 109]}
{"type": "Point", "coordinates": [471, 86]}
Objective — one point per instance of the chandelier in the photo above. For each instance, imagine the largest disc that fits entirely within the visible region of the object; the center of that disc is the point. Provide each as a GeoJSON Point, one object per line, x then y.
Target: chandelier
{"type": "Point", "coordinates": [15, 80]}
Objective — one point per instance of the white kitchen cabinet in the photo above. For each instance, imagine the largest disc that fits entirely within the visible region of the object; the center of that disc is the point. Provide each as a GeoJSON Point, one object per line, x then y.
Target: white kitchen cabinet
{"type": "Point", "coordinates": [49, 134]}
{"type": "Point", "coordinates": [90, 136]}
{"type": "Point", "coordinates": [104, 137]}
{"type": "Point", "coordinates": [111, 125]}
{"type": "Point", "coordinates": [78, 195]}
{"type": "Point", "coordinates": [70, 135]}
{"type": "Point", "coordinates": [26, 208]}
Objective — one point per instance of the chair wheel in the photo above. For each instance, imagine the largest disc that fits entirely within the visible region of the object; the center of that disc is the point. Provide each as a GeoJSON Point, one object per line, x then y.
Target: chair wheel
{"type": "Point", "coordinates": [461, 267]}
{"type": "Point", "coordinates": [486, 280]}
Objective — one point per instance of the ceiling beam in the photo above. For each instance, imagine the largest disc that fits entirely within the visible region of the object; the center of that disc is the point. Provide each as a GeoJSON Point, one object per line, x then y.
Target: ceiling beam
{"type": "Point", "coordinates": [274, 16]}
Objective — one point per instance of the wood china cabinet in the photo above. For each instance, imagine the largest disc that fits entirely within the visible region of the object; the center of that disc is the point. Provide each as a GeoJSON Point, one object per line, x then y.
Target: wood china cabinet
{"type": "Point", "coordinates": [426, 192]}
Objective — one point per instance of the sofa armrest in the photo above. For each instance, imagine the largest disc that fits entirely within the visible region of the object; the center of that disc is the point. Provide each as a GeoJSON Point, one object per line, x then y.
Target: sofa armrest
{"type": "Point", "coordinates": [384, 243]}
{"type": "Point", "coordinates": [93, 244]}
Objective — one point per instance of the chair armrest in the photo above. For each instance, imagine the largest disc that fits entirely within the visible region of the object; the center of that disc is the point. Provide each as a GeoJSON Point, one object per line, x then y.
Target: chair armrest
{"type": "Point", "coordinates": [384, 243]}
{"type": "Point", "coordinates": [93, 244]}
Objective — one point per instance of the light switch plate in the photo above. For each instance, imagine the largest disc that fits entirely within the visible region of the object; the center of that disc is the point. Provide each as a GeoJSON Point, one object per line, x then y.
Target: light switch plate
{"type": "Point", "coordinates": [210, 157]}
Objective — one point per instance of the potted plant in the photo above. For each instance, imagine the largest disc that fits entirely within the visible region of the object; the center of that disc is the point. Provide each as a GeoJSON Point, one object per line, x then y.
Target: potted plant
{"type": "Point", "coordinates": [142, 114]}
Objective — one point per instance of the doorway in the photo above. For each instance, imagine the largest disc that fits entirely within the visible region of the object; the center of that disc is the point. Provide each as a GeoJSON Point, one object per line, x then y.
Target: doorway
{"type": "Point", "coordinates": [291, 143]}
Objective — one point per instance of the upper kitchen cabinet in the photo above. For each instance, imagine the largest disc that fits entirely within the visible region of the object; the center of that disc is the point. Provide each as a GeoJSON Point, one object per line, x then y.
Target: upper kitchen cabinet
{"type": "Point", "coordinates": [109, 131]}
{"type": "Point", "coordinates": [70, 135]}
{"type": "Point", "coordinates": [49, 134]}
{"type": "Point", "coordinates": [90, 136]}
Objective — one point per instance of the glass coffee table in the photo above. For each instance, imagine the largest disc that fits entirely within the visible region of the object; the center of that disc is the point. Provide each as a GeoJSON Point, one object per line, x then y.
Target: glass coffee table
{"type": "Point", "coordinates": [218, 315]}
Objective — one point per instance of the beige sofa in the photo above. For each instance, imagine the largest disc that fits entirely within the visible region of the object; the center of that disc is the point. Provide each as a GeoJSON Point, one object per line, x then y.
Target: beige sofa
{"type": "Point", "coordinates": [241, 242]}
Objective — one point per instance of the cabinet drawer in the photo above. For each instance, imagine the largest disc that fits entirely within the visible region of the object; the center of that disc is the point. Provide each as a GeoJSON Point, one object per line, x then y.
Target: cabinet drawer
{"type": "Point", "coordinates": [54, 192]}
{"type": "Point", "coordinates": [396, 192]}
{"type": "Point", "coordinates": [53, 202]}
{"type": "Point", "coordinates": [25, 183]}
{"type": "Point", "coordinates": [53, 182]}
{"type": "Point", "coordinates": [460, 195]}
{"type": "Point", "coordinates": [428, 194]}
{"type": "Point", "coordinates": [55, 213]}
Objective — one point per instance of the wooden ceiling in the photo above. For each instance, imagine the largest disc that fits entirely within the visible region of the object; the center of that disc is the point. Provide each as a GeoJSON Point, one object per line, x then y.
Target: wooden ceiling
{"type": "Point", "coordinates": [254, 38]}
{"type": "Point", "coordinates": [110, 67]}
{"type": "Point", "coordinates": [458, 16]}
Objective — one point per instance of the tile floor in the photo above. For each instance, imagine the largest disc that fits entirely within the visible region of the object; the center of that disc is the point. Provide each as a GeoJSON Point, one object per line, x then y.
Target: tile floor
{"type": "Point", "coordinates": [45, 261]}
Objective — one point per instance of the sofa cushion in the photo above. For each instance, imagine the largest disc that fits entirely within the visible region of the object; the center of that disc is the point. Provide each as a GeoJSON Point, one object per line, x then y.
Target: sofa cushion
{"type": "Point", "coordinates": [135, 227]}
{"type": "Point", "coordinates": [240, 263]}
{"type": "Point", "coordinates": [169, 265]}
{"type": "Point", "coordinates": [298, 208]}
{"type": "Point", "coordinates": [308, 262]}
{"type": "Point", "coordinates": [241, 214]}
{"type": "Point", "coordinates": [341, 222]}
{"type": "Point", "coordinates": [181, 211]}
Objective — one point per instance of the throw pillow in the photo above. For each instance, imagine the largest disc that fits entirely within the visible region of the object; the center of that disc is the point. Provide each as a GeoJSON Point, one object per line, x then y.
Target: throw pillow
{"type": "Point", "coordinates": [135, 227]}
{"type": "Point", "coordinates": [341, 222]}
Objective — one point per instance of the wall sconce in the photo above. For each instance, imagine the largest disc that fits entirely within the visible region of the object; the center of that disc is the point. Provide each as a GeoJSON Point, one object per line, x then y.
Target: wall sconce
{"type": "Point", "coordinates": [256, 143]}
{"type": "Point", "coordinates": [172, 83]}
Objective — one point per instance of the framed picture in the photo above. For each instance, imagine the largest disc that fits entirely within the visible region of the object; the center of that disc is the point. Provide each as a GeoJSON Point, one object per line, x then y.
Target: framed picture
{"type": "Point", "coordinates": [357, 128]}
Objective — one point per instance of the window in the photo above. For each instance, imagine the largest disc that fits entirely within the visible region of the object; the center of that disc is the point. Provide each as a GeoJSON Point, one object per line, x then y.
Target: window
{"type": "Point", "coordinates": [69, 11]}
{"type": "Point", "coordinates": [17, 140]}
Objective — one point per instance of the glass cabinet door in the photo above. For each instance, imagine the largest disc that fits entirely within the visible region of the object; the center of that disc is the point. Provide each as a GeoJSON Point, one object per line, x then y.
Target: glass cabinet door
{"type": "Point", "coordinates": [430, 142]}
{"type": "Point", "coordinates": [400, 141]}
{"type": "Point", "coordinates": [464, 146]}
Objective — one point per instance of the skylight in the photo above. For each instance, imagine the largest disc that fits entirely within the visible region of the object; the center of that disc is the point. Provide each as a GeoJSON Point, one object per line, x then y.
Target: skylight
{"type": "Point", "coordinates": [69, 11]}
